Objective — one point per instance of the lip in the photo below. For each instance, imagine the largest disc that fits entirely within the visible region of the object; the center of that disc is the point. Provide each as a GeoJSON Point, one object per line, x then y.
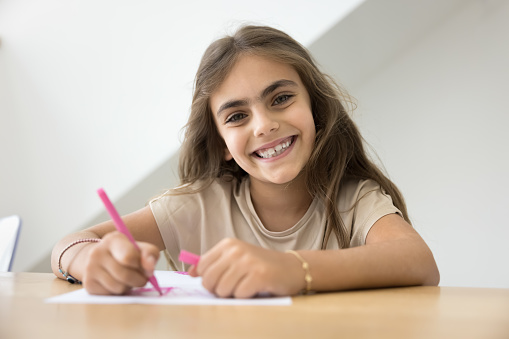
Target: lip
{"type": "Point", "coordinates": [274, 143]}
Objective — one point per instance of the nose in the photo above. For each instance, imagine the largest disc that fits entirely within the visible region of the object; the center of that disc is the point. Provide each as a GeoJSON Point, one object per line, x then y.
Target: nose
{"type": "Point", "coordinates": [264, 123]}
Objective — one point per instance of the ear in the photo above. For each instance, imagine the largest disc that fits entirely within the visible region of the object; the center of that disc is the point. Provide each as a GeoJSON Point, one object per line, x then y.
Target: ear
{"type": "Point", "coordinates": [227, 155]}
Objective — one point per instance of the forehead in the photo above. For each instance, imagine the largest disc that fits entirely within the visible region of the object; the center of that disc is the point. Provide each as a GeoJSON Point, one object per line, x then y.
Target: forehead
{"type": "Point", "coordinates": [249, 76]}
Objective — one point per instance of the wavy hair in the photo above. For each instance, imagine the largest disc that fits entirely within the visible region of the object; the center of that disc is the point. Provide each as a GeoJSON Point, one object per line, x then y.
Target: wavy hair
{"type": "Point", "coordinates": [338, 153]}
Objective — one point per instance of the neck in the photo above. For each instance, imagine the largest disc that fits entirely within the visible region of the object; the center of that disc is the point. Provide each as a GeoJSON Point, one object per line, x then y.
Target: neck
{"type": "Point", "coordinates": [280, 207]}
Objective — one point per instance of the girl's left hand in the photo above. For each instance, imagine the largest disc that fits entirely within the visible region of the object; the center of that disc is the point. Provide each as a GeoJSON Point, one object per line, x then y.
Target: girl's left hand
{"type": "Point", "coordinates": [234, 268]}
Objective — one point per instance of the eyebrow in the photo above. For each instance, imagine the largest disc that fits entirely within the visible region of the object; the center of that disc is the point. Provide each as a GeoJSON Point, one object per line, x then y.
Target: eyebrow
{"type": "Point", "coordinates": [244, 102]}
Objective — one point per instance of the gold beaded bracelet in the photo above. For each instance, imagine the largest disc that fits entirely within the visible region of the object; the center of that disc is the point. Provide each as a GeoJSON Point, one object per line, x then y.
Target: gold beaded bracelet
{"type": "Point", "coordinates": [305, 266]}
{"type": "Point", "coordinates": [66, 275]}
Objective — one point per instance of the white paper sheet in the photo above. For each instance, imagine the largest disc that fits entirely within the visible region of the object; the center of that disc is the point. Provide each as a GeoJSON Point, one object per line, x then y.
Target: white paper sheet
{"type": "Point", "coordinates": [178, 289]}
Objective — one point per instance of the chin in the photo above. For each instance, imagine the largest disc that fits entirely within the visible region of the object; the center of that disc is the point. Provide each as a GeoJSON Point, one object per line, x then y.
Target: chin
{"type": "Point", "coordinates": [284, 180]}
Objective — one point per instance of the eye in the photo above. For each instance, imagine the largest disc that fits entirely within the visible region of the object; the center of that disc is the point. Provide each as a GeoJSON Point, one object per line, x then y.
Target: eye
{"type": "Point", "coordinates": [281, 99]}
{"type": "Point", "coordinates": [235, 118]}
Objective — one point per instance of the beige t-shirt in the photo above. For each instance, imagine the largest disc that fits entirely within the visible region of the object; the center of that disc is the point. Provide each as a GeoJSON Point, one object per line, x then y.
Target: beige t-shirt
{"type": "Point", "coordinates": [198, 221]}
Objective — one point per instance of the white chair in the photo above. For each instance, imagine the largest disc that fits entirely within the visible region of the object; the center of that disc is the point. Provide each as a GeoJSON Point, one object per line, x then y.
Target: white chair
{"type": "Point", "coordinates": [9, 234]}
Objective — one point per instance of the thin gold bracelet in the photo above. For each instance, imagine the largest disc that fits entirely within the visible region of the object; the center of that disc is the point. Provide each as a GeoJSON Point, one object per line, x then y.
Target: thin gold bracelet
{"type": "Point", "coordinates": [305, 266]}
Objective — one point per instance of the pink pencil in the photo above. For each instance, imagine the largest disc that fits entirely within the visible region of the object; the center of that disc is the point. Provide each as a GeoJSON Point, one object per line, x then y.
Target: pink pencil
{"type": "Point", "coordinates": [119, 224]}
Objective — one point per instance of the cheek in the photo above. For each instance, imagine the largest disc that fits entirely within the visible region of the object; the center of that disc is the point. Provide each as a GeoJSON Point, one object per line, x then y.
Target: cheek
{"type": "Point", "coordinates": [232, 145]}
{"type": "Point", "coordinates": [236, 146]}
{"type": "Point", "coordinates": [309, 126]}
{"type": "Point", "coordinates": [226, 153]}
{"type": "Point", "coordinates": [229, 146]}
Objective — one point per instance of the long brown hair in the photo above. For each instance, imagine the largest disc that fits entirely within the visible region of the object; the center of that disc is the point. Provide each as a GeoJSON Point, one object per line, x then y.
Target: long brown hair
{"type": "Point", "coordinates": [339, 148]}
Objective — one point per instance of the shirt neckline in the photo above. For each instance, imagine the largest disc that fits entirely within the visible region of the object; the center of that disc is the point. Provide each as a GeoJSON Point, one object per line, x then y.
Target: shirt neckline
{"type": "Point", "coordinates": [301, 223]}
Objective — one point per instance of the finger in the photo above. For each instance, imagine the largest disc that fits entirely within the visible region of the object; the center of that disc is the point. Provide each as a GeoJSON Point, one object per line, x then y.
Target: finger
{"type": "Point", "coordinates": [149, 256]}
{"type": "Point", "coordinates": [207, 259]}
{"type": "Point", "coordinates": [253, 280]}
{"type": "Point", "coordinates": [212, 273]}
{"type": "Point", "coordinates": [148, 263]}
{"type": "Point", "coordinates": [91, 280]}
{"type": "Point", "coordinates": [228, 281]}
{"type": "Point", "coordinates": [97, 279]}
{"type": "Point", "coordinates": [129, 276]}
{"type": "Point", "coordinates": [245, 288]}
{"type": "Point", "coordinates": [218, 260]}
{"type": "Point", "coordinates": [103, 267]}
{"type": "Point", "coordinates": [95, 287]}
{"type": "Point", "coordinates": [228, 247]}
{"type": "Point", "coordinates": [209, 268]}
{"type": "Point", "coordinates": [192, 271]}
{"type": "Point", "coordinates": [104, 283]}
{"type": "Point", "coordinates": [124, 252]}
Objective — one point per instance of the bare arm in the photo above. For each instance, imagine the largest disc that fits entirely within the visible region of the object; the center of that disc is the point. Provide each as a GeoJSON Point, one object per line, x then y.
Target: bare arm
{"type": "Point", "coordinates": [394, 255]}
{"type": "Point", "coordinates": [113, 265]}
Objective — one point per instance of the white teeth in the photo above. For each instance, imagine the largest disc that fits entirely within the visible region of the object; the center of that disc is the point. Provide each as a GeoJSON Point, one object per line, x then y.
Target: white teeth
{"type": "Point", "coordinates": [273, 152]}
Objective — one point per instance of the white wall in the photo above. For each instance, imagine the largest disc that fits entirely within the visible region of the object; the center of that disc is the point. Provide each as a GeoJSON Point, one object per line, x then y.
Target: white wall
{"type": "Point", "coordinates": [436, 112]}
{"type": "Point", "coordinates": [94, 93]}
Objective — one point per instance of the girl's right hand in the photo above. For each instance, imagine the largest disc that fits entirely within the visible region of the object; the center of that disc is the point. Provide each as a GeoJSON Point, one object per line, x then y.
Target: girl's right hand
{"type": "Point", "coordinates": [114, 265]}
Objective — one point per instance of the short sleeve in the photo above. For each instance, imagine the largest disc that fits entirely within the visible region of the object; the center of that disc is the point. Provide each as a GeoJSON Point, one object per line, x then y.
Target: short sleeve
{"type": "Point", "coordinates": [162, 211]}
{"type": "Point", "coordinates": [370, 203]}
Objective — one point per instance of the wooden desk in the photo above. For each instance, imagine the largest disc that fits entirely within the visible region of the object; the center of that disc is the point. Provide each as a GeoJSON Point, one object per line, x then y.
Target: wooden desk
{"type": "Point", "coordinates": [413, 312]}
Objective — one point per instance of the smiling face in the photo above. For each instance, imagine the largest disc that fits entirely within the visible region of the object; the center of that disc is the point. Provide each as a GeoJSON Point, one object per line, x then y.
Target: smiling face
{"type": "Point", "coordinates": [262, 110]}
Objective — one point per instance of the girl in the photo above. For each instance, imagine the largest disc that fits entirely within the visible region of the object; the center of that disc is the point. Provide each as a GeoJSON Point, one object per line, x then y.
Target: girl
{"type": "Point", "coordinates": [277, 195]}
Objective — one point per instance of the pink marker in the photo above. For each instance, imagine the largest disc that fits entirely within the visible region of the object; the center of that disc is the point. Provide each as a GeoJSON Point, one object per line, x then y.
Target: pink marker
{"type": "Point", "coordinates": [189, 258]}
{"type": "Point", "coordinates": [119, 224]}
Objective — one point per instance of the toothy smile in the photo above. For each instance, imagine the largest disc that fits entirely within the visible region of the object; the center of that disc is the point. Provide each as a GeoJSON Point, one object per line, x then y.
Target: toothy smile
{"type": "Point", "coordinates": [274, 151]}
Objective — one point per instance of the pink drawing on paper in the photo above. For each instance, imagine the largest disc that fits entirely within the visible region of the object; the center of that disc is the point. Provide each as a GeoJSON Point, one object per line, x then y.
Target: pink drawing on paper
{"type": "Point", "coordinates": [169, 292]}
